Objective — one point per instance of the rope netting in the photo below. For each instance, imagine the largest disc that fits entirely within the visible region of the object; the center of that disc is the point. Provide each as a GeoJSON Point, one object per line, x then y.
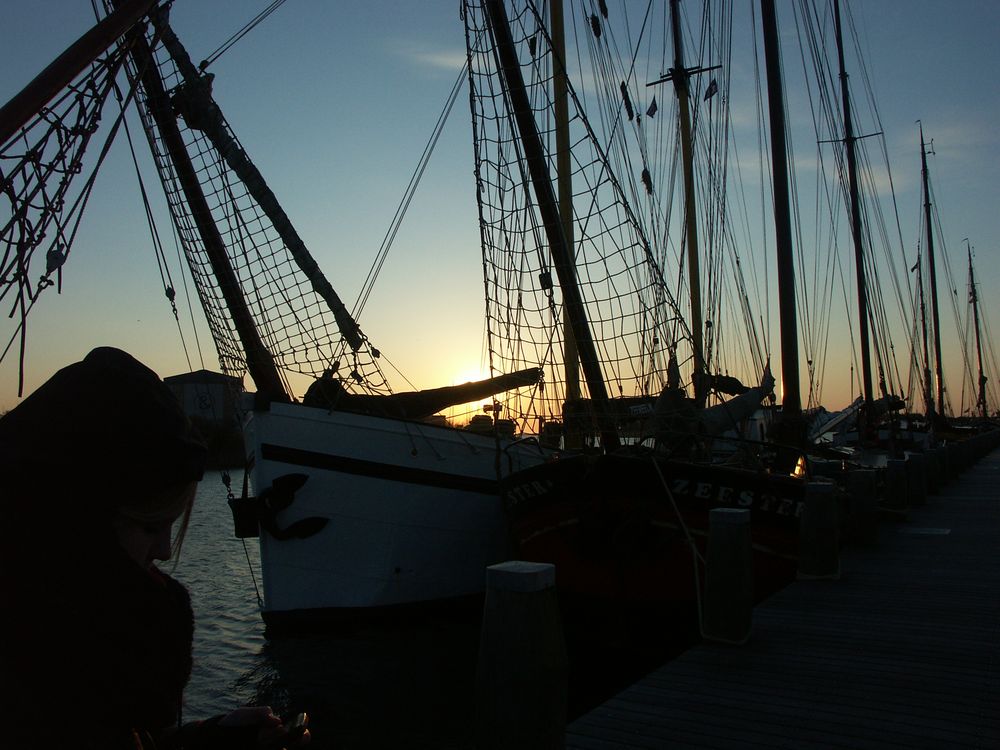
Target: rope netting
{"type": "Point", "coordinates": [628, 229]}
{"type": "Point", "coordinates": [296, 323]}
{"type": "Point", "coordinates": [633, 317]}
{"type": "Point", "coordinates": [41, 202]}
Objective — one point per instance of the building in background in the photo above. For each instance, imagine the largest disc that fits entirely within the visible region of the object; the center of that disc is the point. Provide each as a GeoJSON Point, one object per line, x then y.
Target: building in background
{"type": "Point", "coordinates": [209, 399]}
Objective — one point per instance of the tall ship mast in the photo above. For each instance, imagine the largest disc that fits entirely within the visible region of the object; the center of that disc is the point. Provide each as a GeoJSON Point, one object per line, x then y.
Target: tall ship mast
{"type": "Point", "coordinates": [791, 404]}
{"type": "Point", "coordinates": [855, 208]}
{"type": "Point", "coordinates": [932, 266]}
{"type": "Point", "coordinates": [974, 300]}
{"type": "Point", "coordinates": [928, 381]}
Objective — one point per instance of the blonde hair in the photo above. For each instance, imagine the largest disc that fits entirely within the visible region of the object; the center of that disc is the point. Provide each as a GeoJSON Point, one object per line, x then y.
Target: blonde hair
{"type": "Point", "coordinates": [164, 504]}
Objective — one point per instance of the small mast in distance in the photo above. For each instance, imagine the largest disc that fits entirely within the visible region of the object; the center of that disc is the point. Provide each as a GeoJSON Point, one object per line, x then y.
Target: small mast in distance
{"type": "Point", "coordinates": [935, 317]}
{"type": "Point", "coordinates": [974, 300]}
{"type": "Point", "coordinates": [680, 76]}
{"type": "Point", "coordinates": [859, 251]}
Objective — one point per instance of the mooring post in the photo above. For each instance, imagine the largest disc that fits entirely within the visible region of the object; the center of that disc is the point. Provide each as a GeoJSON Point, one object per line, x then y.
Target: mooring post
{"type": "Point", "coordinates": [962, 456]}
{"type": "Point", "coordinates": [864, 514]}
{"type": "Point", "coordinates": [522, 678]}
{"type": "Point", "coordinates": [953, 459]}
{"type": "Point", "coordinates": [819, 533]}
{"type": "Point", "coordinates": [941, 459]}
{"type": "Point", "coordinates": [937, 458]}
{"type": "Point", "coordinates": [931, 471]}
{"type": "Point", "coordinates": [916, 479]}
{"type": "Point", "coordinates": [976, 449]}
{"type": "Point", "coordinates": [727, 611]}
{"type": "Point", "coordinates": [894, 496]}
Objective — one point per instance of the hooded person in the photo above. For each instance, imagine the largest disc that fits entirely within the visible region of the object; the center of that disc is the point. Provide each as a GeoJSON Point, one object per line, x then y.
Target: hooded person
{"type": "Point", "coordinates": [97, 468]}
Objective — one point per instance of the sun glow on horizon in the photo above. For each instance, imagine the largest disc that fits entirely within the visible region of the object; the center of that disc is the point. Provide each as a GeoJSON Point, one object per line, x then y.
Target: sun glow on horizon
{"type": "Point", "coordinates": [461, 413]}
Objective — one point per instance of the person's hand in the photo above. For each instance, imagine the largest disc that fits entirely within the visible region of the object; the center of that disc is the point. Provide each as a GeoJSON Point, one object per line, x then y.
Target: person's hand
{"type": "Point", "coordinates": [271, 733]}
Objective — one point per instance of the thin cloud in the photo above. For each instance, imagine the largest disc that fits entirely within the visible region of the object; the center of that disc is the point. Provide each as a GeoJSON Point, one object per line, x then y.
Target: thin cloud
{"type": "Point", "coordinates": [431, 59]}
{"type": "Point", "coordinates": [955, 135]}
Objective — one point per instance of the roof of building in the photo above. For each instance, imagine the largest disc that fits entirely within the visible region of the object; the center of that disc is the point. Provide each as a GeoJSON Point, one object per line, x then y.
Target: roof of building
{"type": "Point", "coordinates": [202, 377]}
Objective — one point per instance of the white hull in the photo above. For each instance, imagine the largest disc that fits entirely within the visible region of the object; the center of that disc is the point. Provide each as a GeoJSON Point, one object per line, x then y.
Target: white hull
{"type": "Point", "coordinates": [414, 512]}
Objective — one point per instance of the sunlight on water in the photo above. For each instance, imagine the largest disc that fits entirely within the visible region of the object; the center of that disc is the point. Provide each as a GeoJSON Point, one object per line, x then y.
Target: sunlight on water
{"type": "Point", "coordinates": [228, 630]}
{"type": "Point", "coordinates": [397, 684]}
{"type": "Point", "coordinates": [373, 686]}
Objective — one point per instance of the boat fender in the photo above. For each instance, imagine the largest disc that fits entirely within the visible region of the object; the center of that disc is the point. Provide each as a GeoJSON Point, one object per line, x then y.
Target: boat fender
{"type": "Point", "coordinates": [277, 498]}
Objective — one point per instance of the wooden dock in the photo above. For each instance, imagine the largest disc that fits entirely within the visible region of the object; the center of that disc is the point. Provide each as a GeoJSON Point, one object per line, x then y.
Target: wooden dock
{"type": "Point", "coordinates": [902, 651]}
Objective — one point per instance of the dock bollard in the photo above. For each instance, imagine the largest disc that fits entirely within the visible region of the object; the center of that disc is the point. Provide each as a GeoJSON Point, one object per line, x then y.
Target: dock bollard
{"type": "Point", "coordinates": [894, 497]}
{"type": "Point", "coordinates": [932, 471]}
{"type": "Point", "coordinates": [864, 514]}
{"type": "Point", "coordinates": [955, 467]}
{"type": "Point", "coordinates": [962, 462]}
{"type": "Point", "coordinates": [941, 457]}
{"type": "Point", "coordinates": [947, 470]}
{"type": "Point", "coordinates": [523, 672]}
{"type": "Point", "coordinates": [727, 611]}
{"type": "Point", "coordinates": [916, 479]}
{"type": "Point", "coordinates": [819, 533]}
{"type": "Point", "coordinates": [976, 451]}
{"type": "Point", "coordinates": [942, 466]}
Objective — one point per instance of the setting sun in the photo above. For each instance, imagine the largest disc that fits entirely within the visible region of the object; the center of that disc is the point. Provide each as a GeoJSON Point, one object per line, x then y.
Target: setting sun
{"type": "Point", "coordinates": [462, 413]}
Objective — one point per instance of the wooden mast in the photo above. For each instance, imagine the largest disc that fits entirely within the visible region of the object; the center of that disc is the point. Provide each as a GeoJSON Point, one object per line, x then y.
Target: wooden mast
{"type": "Point", "coordinates": [974, 298]}
{"type": "Point", "coordinates": [564, 180]}
{"type": "Point", "coordinates": [928, 385]}
{"type": "Point", "coordinates": [859, 254]}
{"type": "Point", "coordinates": [194, 101]}
{"type": "Point", "coordinates": [510, 69]}
{"type": "Point", "coordinates": [791, 398]}
{"type": "Point", "coordinates": [933, 281]}
{"type": "Point", "coordinates": [680, 76]}
{"type": "Point", "coordinates": [60, 72]}
{"type": "Point", "coordinates": [259, 361]}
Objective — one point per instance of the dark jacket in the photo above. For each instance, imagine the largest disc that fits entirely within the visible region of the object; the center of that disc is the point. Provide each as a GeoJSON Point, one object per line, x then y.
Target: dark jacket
{"type": "Point", "coordinates": [92, 653]}
{"type": "Point", "coordinates": [92, 645]}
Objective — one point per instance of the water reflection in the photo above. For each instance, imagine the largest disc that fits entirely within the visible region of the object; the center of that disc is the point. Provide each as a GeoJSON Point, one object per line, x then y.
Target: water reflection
{"type": "Point", "coordinates": [376, 686]}
{"type": "Point", "coordinates": [379, 685]}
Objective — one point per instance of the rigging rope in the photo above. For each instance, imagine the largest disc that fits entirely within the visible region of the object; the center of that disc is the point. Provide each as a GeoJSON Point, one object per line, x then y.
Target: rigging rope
{"type": "Point", "coordinates": [826, 108]}
{"type": "Point", "coordinates": [250, 26]}
{"type": "Point", "coordinates": [59, 136]}
{"type": "Point", "coordinates": [408, 194]}
{"type": "Point", "coordinates": [161, 261]}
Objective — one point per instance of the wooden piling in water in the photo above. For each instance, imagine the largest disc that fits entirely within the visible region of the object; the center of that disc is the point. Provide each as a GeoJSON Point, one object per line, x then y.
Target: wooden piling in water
{"type": "Point", "coordinates": [521, 681]}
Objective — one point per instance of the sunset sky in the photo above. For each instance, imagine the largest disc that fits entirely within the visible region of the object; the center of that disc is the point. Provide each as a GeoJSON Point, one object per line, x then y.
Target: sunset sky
{"type": "Point", "coordinates": [335, 101]}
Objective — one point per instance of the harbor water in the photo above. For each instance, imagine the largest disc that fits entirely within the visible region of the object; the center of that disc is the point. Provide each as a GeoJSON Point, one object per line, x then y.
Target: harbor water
{"type": "Point", "coordinates": [389, 684]}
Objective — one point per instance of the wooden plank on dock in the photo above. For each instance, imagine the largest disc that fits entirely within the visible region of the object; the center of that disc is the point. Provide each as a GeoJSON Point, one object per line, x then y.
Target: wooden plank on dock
{"type": "Point", "coordinates": [902, 652]}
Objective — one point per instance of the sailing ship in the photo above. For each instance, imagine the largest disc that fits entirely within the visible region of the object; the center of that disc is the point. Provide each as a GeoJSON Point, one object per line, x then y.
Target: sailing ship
{"type": "Point", "coordinates": [627, 521]}
{"type": "Point", "coordinates": [932, 382]}
{"type": "Point", "coordinates": [359, 503]}
{"type": "Point", "coordinates": [623, 509]}
{"type": "Point", "coordinates": [361, 500]}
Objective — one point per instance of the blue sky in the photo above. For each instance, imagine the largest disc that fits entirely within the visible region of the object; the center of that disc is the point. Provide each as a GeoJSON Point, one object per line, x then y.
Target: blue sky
{"type": "Point", "coordinates": [334, 102]}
